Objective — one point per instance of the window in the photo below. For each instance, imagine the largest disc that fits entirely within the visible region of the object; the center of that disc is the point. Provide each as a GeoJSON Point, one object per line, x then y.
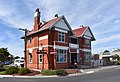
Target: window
{"type": "Point", "coordinates": [73, 40]}
{"type": "Point", "coordinates": [87, 56]}
{"type": "Point", "coordinates": [40, 58]}
{"type": "Point", "coordinates": [61, 36]}
{"type": "Point", "coordinates": [30, 39]}
{"type": "Point", "coordinates": [87, 42]}
{"type": "Point", "coordinates": [30, 57]}
{"type": "Point", "coordinates": [61, 56]}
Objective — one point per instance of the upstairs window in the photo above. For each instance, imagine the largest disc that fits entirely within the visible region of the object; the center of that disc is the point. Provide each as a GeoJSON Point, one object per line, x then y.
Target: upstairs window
{"type": "Point", "coordinates": [30, 39]}
{"type": "Point", "coordinates": [73, 40]}
{"type": "Point", "coordinates": [87, 42]}
{"type": "Point", "coordinates": [61, 36]}
{"type": "Point", "coordinates": [30, 57]}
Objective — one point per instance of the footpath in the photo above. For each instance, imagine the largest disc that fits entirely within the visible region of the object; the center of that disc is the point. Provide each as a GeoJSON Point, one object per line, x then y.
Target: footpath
{"type": "Point", "coordinates": [83, 71]}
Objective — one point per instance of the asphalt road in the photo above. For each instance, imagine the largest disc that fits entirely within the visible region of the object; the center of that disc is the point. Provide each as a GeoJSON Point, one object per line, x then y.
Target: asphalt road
{"type": "Point", "coordinates": [111, 75]}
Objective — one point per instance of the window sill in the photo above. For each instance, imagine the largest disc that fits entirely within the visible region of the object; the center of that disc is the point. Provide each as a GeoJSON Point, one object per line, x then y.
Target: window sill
{"type": "Point", "coordinates": [40, 62]}
{"type": "Point", "coordinates": [62, 42]}
{"type": "Point", "coordinates": [61, 62]}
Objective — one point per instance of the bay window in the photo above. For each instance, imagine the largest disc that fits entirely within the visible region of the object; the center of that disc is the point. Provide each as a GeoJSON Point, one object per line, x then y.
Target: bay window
{"type": "Point", "coordinates": [61, 56]}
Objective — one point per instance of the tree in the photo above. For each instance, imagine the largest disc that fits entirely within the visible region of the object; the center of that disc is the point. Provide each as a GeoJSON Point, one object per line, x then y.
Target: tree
{"type": "Point", "coordinates": [4, 54]}
{"type": "Point", "coordinates": [22, 58]}
{"type": "Point", "coordinates": [106, 51]}
{"type": "Point", "coordinates": [16, 57]}
{"type": "Point", "coordinates": [116, 57]}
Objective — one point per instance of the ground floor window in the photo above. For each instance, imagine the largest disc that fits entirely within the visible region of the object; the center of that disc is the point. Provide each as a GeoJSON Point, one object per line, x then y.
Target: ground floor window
{"type": "Point", "coordinates": [40, 58]}
{"type": "Point", "coordinates": [30, 57]}
{"type": "Point", "coordinates": [87, 56]}
{"type": "Point", "coordinates": [61, 56]}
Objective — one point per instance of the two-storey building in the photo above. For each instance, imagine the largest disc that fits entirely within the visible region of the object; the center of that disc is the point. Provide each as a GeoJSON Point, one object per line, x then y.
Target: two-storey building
{"type": "Point", "coordinates": [54, 45]}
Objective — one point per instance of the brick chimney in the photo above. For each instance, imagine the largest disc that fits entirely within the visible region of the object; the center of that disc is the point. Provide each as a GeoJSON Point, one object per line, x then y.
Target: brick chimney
{"type": "Point", "coordinates": [36, 19]}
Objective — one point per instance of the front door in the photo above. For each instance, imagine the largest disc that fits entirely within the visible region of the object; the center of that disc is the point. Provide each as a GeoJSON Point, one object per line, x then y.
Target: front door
{"type": "Point", "coordinates": [73, 58]}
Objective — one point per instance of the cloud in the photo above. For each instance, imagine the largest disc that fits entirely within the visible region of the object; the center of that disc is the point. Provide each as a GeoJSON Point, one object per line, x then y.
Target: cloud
{"type": "Point", "coordinates": [13, 16]}
{"type": "Point", "coordinates": [12, 42]}
{"type": "Point", "coordinates": [107, 39]}
{"type": "Point", "coordinates": [117, 21]}
{"type": "Point", "coordinates": [102, 16]}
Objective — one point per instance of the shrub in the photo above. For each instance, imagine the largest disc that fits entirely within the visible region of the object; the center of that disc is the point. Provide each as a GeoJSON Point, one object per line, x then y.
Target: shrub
{"type": "Point", "coordinates": [61, 72]}
{"type": "Point", "coordinates": [12, 70]}
{"type": "Point", "coordinates": [23, 71]}
{"type": "Point", "coordinates": [1, 66]}
{"type": "Point", "coordinates": [48, 72]}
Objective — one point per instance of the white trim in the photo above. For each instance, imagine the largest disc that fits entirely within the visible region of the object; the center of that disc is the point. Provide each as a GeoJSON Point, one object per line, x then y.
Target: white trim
{"type": "Point", "coordinates": [35, 14]}
{"type": "Point", "coordinates": [30, 50]}
{"type": "Point", "coordinates": [86, 50]}
{"type": "Point", "coordinates": [39, 47]}
{"type": "Point", "coordinates": [77, 51]}
{"type": "Point", "coordinates": [61, 47]}
{"type": "Point", "coordinates": [60, 30]}
{"type": "Point", "coordinates": [70, 57]}
{"type": "Point", "coordinates": [73, 45]}
{"type": "Point", "coordinates": [74, 52]}
{"type": "Point", "coordinates": [43, 37]}
{"type": "Point", "coordinates": [87, 37]}
{"type": "Point", "coordinates": [88, 33]}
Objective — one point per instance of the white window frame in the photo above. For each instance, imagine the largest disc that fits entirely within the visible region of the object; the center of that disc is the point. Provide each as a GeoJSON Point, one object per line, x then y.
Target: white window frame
{"type": "Point", "coordinates": [40, 59]}
{"type": "Point", "coordinates": [30, 57]}
{"type": "Point", "coordinates": [62, 37]}
{"type": "Point", "coordinates": [86, 56]}
{"type": "Point", "coordinates": [61, 53]}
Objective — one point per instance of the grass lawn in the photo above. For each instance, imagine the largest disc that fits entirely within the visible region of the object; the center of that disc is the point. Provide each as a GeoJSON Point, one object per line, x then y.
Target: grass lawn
{"type": "Point", "coordinates": [2, 72]}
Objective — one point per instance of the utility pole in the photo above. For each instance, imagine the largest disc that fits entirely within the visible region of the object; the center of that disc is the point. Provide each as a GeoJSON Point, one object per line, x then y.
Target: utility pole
{"type": "Point", "coordinates": [25, 31]}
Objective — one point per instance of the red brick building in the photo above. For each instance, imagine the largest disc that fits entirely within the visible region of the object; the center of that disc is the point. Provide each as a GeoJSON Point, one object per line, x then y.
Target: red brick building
{"type": "Point", "coordinates": [54, 45]}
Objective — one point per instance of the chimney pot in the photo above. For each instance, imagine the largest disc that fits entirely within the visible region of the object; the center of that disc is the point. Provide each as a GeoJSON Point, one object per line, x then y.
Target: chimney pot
{"type": "Point", "coordinates": [56, 15]}
{"type": "Point", "coordinates": [36, 19]}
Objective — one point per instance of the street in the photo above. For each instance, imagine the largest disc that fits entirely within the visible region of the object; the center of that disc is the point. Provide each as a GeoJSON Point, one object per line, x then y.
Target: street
{"type": "Point", "coordinates": [111, 75]}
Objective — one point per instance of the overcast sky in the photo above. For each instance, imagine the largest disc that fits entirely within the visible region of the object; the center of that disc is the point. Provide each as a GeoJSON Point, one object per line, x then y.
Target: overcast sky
{"type": "Point", "coordinates": [103, 17]}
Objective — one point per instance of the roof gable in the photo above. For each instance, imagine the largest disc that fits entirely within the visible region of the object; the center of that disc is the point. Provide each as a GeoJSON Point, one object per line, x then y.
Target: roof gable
{"type": "Point", "coordinates": [62, 24]}
{"type": "Point", "coordinates": [84, 32]}
{"type": "Point", "coordinates": [59, 22]}
{"type": "Point", "coordinates": [87, 33]}
{"type": "Point", "coordinates": [79, 32]}
{"type": "Point", "coordinates": [49, 23]}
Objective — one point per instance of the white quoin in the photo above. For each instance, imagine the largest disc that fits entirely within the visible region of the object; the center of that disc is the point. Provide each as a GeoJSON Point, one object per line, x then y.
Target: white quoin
{"type": "Point", "coordinates": [36, 14]}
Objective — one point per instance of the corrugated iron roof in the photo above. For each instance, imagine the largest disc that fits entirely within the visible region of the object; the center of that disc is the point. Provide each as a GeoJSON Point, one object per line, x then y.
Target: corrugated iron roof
{"type": "Point", "coordinates": [79, 31]}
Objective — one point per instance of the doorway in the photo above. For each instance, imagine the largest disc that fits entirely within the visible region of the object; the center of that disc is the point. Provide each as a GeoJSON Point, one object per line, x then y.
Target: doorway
{"type": "Point", "coordinates": [73, 58]}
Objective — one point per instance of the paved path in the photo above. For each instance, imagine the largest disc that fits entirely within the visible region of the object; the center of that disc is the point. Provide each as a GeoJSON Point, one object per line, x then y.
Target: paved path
{"type": "Point", "coordinates": [84, 71]}
{"type": "Point", "coordinates": [111, 75]}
